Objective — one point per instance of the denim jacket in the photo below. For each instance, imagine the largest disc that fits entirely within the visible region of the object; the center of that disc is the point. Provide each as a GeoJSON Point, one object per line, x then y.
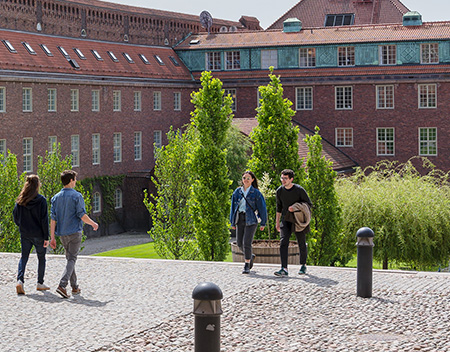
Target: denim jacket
{"type": "Point", "coordinates": [257, 202]}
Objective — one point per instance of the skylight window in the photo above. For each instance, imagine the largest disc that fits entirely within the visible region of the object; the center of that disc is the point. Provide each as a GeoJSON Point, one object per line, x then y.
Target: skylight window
{"type": "Point", "coordinates": [144, 59]}
{"type": "Point", "coordinates": [174, 61]}
{"type": "Point", "coordinates": [63, 52]}
{"type": "Point", "coordinates": [74, 64]}
{"type": "Point", "coordinates": [96, 55]}
{"type": "Point", "coordinates": [159, 60]}
{"type": "Point", "coordinates": [9, 46]}
{"type": "Point", "coordinates": [112, 56]}
{"type": "Point", "coordinates": [46, 50]}
{"type": "Point", "coordinates": [29, 48]}
{"type": "Point", "coordinates": [128, 57]}
{"type": "Point", "coordinates": [79, 53]}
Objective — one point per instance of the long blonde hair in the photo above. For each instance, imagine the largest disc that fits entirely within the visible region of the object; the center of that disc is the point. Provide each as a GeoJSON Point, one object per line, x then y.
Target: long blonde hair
{"type": "Point", "coordinates": [29, 190]}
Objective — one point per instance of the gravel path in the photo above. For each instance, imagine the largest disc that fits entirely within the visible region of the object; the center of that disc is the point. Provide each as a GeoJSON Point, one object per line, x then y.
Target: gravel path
{"type": "Point", "coordinates": [95, 245]}
{"type": "Point", "coordinates": [145, 305]}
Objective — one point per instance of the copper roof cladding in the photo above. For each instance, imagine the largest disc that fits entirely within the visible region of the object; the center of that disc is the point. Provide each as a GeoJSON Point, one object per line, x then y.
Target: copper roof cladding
{"type": "Point", "coordinates": [341, 162]}
{"type": "Point", "coordinates": [96, 4]}
{"type": "Point", "coordinates": [312, 13]}
{"type": "Point", "coordinates": [319, 36]}
{"type": "Point", "coordinates": [24, 61]}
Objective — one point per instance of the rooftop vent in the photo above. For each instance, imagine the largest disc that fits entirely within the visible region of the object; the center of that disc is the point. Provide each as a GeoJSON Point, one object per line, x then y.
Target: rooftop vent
{"type": "Point", "coordinates": [292, 25]}
{"type": "Point", "coordinates": [412, 18]}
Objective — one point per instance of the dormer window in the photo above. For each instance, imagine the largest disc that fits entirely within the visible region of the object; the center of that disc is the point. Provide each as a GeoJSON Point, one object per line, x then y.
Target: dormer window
{"type": "Point", "coordinates": [343, 19]}
{"type": "Point", "coordinates": [63, 52]}
{"type": "Point", "coordinates": [46, 50]}
{"type": "Point", "coordinates": [112, 56]}
{"type": "Point", "coordinates": [96, 55]}
{"type": "Point", "coordinates": [79, 53]}
{"type": "Point", "coordinates": [128, 57]}
{"type": "Point", "coordinates": [29, 48]}
{"type": "Point", "coordinates": [144, 59]}
{"type": "Point", "coordinates": [9, 46]}
{"type": "Point", "coordinates": [157, 58]}
{"type": "Point", "coordinates": [174, 61]}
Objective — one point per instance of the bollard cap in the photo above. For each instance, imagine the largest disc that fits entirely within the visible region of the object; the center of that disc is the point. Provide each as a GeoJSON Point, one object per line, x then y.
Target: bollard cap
{"type": "Point", "coordinates": [207, 291]}
{"type": "Point", "coordinates": [364, 232]}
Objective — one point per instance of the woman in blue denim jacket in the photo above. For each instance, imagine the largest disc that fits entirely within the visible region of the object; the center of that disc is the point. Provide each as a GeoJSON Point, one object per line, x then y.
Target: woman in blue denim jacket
{"type": "Point", "coordinates": [247, 200]}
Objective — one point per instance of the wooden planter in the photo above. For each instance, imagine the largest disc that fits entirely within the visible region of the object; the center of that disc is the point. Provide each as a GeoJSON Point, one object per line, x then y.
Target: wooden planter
{"type": "Point", "coordinates": [267, 251]}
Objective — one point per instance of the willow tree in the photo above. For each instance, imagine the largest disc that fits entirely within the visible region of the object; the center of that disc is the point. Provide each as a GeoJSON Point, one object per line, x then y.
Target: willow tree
{"type": "Point", "coordinates": [210, 200]}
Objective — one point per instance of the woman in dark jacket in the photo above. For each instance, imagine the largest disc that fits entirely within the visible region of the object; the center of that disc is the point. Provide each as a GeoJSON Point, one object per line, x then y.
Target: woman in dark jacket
{"type": "Point", "coordinates": [31, 215]}
{"type": "Point", "coordinates": [245, 203]}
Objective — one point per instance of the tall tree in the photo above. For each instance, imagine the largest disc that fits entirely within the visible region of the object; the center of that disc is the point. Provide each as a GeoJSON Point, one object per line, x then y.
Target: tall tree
{"type": "Point", "coordinates": [211, 192]}
{"type": "Point", "coordinates": [238, 148]}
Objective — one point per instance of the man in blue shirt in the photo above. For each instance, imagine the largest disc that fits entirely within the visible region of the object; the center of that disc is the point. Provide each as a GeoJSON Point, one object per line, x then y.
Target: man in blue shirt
{"type": "Point", "coordinates": [68, 214]}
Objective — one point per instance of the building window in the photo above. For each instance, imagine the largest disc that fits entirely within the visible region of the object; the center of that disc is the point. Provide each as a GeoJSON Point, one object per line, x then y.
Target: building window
{"type": "Point", "coordinates": [118, 198]}
{"type": "Point", "coordinates": [27, 148]}
{"type": "Point", "coordinates": [157, 141]}
{"type": "Point", "coordinates": [269, 58]}
{"type": "Point", "coordinates": [156, 100]}
{"type": "Point", "coordinates": [137, 145]}
{"type": "Point", "coordinates": [137, 101]}
{"type": "Point", "coordinates": [96, 149]}
{"type": "Point", "coordinates": [27, 100]}
{"type": "Point", "coordinates": [2, 99]}
{"type": "Point", "coordinates": [3, 147]}
{"type": "Point", "coordinates": [117, 147]}
{"type": "Point", "coordinates": [343, 19]}
{"type": "Point", "coordinates": [385, 141]}
{"type": "Point", "coordinates": [385, 97]}
{"type": "Point", "coordinates": [95, 94]}
{"type": "Point", "coordinates": [304, 98]}
{"type": "Point", "coordinates": [258, 98]}
{"type": "Point", "coordinates": [75, 150]}
{"type": "Point", "coordinates": [74, 100]}
{"type": "Point", "coordinates": [52, 144]}
{"type": "Point", "coordinates": [346, 56]}
{"type": "Point", "coordinates": [307, 57]}
{"type": "Point", "coordinates": [429, 53]}
{"type": "Point", "coordinates": [232, 60]}
{"type": "Point", "coordinates": [117, 100]}
{"type": "Point", "coordinates": [344, 98]}
{"type": "Point", "coordinates": [344, 137]}
{"type": "Point", "coordinates": [427, 96]}
{"type": "Point", "coordinates": [388, 55]}
{"type": "Point", "coordinates": [428, 141]}
{"type": "Point", "coordinates": [51, 99]}
{"type": "Point", "coordinates": [213, 62]}
{"type": "Point", "coordinates": [177, 101]}
{"type": "Point", "coordinates": [96, 202]}
{"type": "Point", "coordinates": [232, 93]}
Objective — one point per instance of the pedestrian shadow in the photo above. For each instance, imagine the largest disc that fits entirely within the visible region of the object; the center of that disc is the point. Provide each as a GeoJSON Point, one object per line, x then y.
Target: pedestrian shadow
{"type": "Point", "coordinates": [311, 279]}
{"type": "Point", "coordinates": [50, 297]}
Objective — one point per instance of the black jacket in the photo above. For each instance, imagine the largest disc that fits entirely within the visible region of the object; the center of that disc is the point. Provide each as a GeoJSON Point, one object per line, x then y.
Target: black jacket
{"type": "Point", "coordinates": [32, 218]}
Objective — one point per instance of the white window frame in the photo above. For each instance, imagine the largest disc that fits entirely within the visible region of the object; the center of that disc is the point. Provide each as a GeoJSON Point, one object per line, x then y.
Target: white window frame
{"type": "Point", "coordinates": [428, 143]}
{"type": "Point", "coordinates": [3, 147]}
{"type": "Point", "coordinates": [75, 149]}
{"type": "Point", "coordinates": [117, 100]}
{"type": "Point", "coordinates": [304, 98]}
{"type": "Point", "coordinates": [385, 142]}
{"type": "Point", "coordinates": [96, 203]}
{"type": "Point", "coordinates": [177, 101]}
{"type": "Point", "coordinates": [307, 57]}
{"type": "Point", "coordinates": [269, 58]}
{"type": "Point", "coordinates": [117, 147]}
{"type": "Point", "coordinates": [157, 101]}
{"type": "Point", "coordinates": [232, 60]}
{"type": "Point", "coordinates": [346, 56]}
{"type": "Point", "coordinates": [27, 99]}
{"type": "Point", "coordinates": [258, 98]}
{"type": "Point", "coordinates": [429, 53]}
{"type": "Point", "coordinates": [213, 61]}
{"type": "Point", "coordinates": [157, 140]}
{"type": "Point", "coordinates": [2, 99]}
{"type": "Point", "coordinates": [74, 100]}
{"type": "Point", "coordinates": [232, 92]}
{"type": "Point", "coordinates": [344, 134]}
{"type": "Point", "coordinates": [118, 198]}
{"type": "Point", "coordinates": [385, 95]}
{"type": "Point", "coordinates": [96, 149]}
{"type": "Point", "coordinates": [137, 145]}
{"type": "Point", "coordinates": [95, 100]}
{"type": "Point", "coordinates": [137, 101]}
{"type": "Point", "coordinates": [387, 55]}
{"type": "Point", "coordinates": [52, 99]}
{"type": "Point", "coordinates": [341, 98]}
{"type": "Point", "coordinates": [427, 96]}
{"type": "Point", "coordinates": [27, 152]}
{"type": "Point", "coordinates": [52, 140]}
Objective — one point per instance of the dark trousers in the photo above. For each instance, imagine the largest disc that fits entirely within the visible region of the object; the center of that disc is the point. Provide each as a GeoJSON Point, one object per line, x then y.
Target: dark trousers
{"type": "Point", "coordinates": [27, 244]}
{"type": "Point", "coordinates": [244, 236]}
{"type": "Point", "coordinates": [286, 230]}
{"type": "Point", "coordinates": [71, 244]}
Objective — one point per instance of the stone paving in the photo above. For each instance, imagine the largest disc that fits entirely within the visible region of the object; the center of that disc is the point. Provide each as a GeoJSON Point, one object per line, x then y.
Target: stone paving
{"type": "Point", "coordinates": [146, 305]}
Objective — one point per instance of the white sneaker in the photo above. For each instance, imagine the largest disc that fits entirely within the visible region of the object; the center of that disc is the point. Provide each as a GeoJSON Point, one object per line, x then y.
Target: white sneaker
{"type": "Point", "coordinates": [19, 288]}
{"type": "Point", "coordinates": [42, 287]}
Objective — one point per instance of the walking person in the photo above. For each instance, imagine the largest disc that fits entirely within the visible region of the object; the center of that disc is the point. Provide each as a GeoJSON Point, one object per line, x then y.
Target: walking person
{"type": "Point", "coordinates": [290, 198]}
{"type": "Point", "coordinates": [247, 204]}
{"type": "Point", "coordinates": [68, 214]}
{"type": "Point", "coordinates": [31, 215]}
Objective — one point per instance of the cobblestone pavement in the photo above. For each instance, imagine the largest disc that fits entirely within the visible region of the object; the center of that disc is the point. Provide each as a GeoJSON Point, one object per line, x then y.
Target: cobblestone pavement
{"type": "Point", "coordinates": [146, 305]}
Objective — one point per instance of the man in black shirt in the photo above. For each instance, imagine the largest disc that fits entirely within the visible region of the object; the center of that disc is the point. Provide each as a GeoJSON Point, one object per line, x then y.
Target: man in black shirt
{"type": "Point", "coordinates": [288, 194]}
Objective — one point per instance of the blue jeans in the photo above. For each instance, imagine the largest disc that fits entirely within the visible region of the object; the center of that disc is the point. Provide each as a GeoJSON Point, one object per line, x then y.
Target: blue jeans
{"type": "Point", "coordinates": [27, 244]}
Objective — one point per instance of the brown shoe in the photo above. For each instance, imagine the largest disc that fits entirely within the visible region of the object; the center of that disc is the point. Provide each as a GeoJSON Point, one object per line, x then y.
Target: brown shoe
{"type": "Point", "coordinates": [76, 291]}
{"type": "Point", "coordinates": [62, 291]}
{"type": "Point", "coordinates": [19, 288]}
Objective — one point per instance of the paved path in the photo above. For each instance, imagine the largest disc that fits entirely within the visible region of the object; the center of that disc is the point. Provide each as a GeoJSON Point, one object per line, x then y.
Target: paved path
{"type": "Point", "coordinates": [94, 245]}
{"type": "Point", "coordinates": [146, 305]}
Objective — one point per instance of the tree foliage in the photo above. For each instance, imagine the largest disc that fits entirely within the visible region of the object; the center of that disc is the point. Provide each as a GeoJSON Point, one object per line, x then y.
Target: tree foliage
{"type": "Point", "coordinates": [173, 230]}
{"type": "Point", "coordinates": [238, 147]}
{"type": "Point", "coordinates": [210, 198]}
{"type": "Point", "coordinates": [325, 237]}
{"type": "Point", "coordinates": [409, 213]}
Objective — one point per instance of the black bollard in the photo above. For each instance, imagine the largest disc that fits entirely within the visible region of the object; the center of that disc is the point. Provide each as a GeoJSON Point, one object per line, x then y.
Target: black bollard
{"type": "Point", "coordinates": [207, 310]}
{"type": "Point", "coordinates": [364, 244]}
